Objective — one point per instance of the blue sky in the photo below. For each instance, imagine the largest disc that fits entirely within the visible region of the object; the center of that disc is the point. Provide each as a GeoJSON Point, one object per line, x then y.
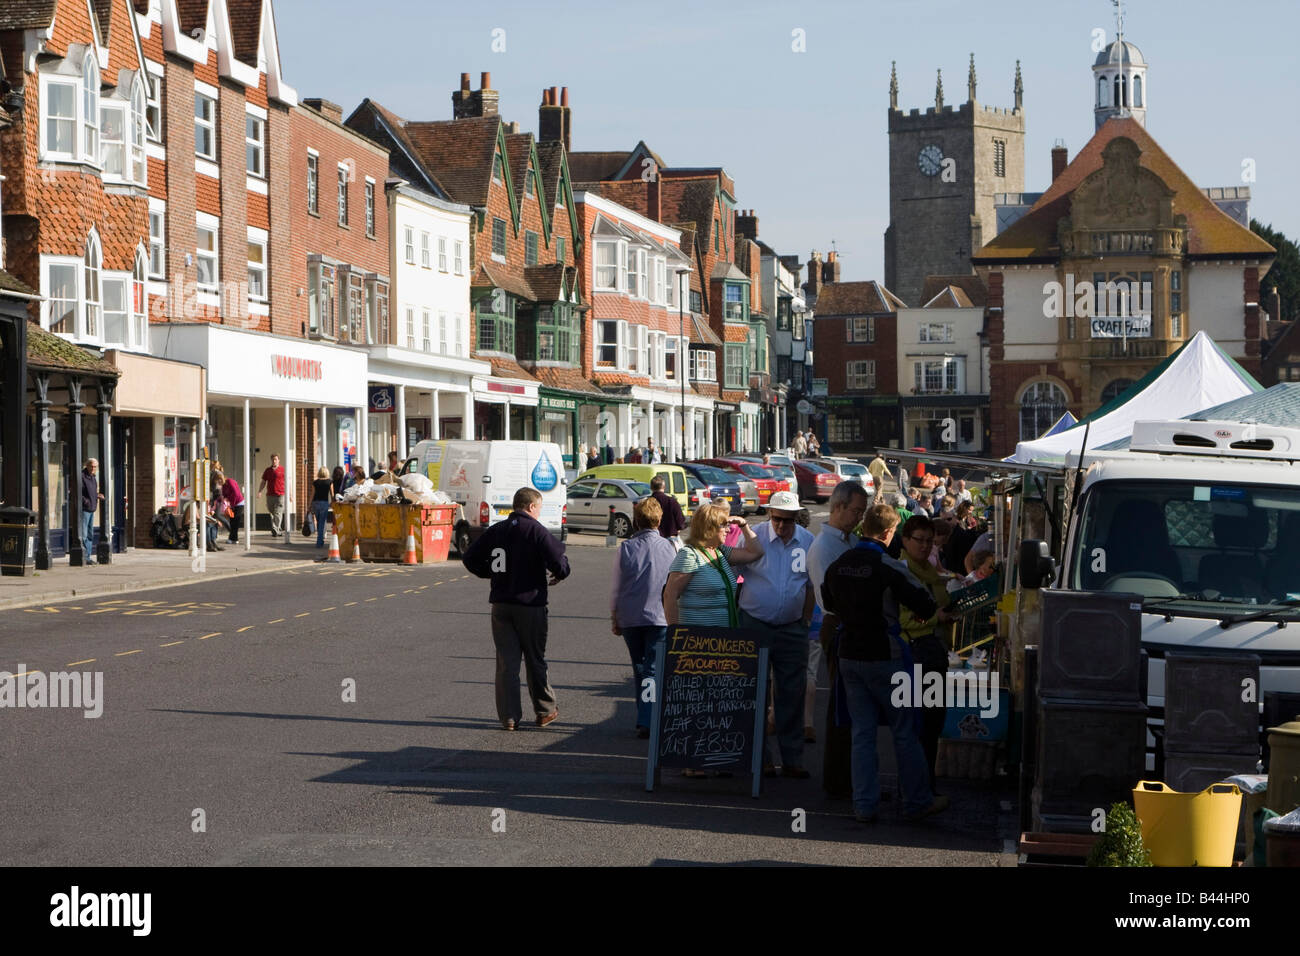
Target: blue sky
{"type": "Point", "coordinates": [804, 134]}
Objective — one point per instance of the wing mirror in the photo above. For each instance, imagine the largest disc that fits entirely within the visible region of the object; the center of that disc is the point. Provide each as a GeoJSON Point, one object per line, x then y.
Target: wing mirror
{"type": "Point", "coordinates": [1037, 569]}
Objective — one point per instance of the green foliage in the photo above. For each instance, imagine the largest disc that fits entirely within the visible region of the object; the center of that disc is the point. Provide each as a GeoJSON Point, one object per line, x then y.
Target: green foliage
{"type": "Point", "coordinates": [1121, 844]}
{"type": "Point", "coordinates": [1284, 274]}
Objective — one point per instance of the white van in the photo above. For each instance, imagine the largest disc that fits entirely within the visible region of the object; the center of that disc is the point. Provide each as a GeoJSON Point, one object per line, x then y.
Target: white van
{"type": "Point", "coordinates": [483, 476]}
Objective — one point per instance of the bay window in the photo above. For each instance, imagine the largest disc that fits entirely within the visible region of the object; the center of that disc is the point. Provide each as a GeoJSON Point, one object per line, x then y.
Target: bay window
{"type": "Point", "coordinates": [377, 311]}
{"type": "Point", "coordinates": [93, 262]}
{"type": "Point", "coordinates": [60, 102]}
{"type": "Point", "coordinates": [139, 303]}
{"type": "Point", "coordinates": [90, 109]}
{"type": "Point", "coordinates": [634, 290]}
{"type": "Point", "coordinates": [735, 303]}
{"type": "Point", "coordinates": [938, 375]}
{"type": "Point", "coordinates": [153, 113]}
{"type": "Point", "coordinates": [611, 344]}
{"type": "Point", "coordinates": [703, 365]}
{"type": "Point", "coordinates": [606, 265]}
{"type": "Point", "coordinates": [496, 330]}
{"type": "Point", "coordinates": [356, 306]}
{"type": "Point", "coordinates": [642, 264]}
{"type": "Point", "coordinates": [112, 122]}
{"type": "Point", "coordinates": [136, 134]}
{"type": "Point", "coordinates": [670, 358]}
{"type": "Point", "coordinates": [116, 314]}
{"type": "Point", "coordinates": [320, 297]}
{"type": "Point", "coordinates": [61, 297]}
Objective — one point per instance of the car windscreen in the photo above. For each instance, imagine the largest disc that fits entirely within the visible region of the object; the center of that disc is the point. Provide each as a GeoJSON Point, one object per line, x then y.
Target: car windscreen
{"type": "Point", "coordinates": [754, 471]}
{"type": "Point", "coordinates": [847, 469]}
{"type": "Point", "coordinates": [815, 468]}
{"type": "Point", "coordinates": [1204, 542]}
{"type": "Point", "coordinates": [639, 488]}
{"type": "Point", "coordinates": [714, 476]}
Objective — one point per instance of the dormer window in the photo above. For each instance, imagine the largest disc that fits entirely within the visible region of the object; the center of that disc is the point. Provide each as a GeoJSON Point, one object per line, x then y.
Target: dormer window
{"type": "Point", "coordinates": [497, 173]}
{"type": "Point", "coordinates": [121, 137]}
{"type": "Point", "coordinates": [90, 108]}
{"type": "Point", "coordinates": [529, 191]}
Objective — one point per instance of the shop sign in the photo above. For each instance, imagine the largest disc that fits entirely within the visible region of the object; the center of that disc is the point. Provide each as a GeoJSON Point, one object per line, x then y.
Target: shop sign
{"type": "Point", "coordinates": [820, 387]}
{"type": "Point", "coordinates": [507, 389]}
{"type": "Point", "coordinates": [383, 399]}
{"type": "Point", "coordinates": [170, 497]}
{"type": "Point", "coordinates": [1126, 327]}
{"type": "Point", "coordinates": [564, 404]}
{"type": "Point", "coordinates": [289, 366]}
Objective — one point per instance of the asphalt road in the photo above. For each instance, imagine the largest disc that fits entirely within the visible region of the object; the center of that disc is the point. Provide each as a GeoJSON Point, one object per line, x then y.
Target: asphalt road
{"type": "Point", "coordinates": [225, 738]}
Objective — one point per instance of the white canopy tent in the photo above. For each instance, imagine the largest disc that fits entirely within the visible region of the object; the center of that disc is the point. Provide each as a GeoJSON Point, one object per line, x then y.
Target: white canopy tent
{"type": "Point", "coordinates": [1199, 375]}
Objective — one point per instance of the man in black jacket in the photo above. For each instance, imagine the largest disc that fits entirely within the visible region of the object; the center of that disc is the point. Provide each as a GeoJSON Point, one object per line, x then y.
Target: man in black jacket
{"type": "Point", "coordinates": [516, 554]}
{"type": "Point", "coordinates": [863, 588]}
{"type": "Point", "coordinates": [90, 499]}
{"type": "Point", "coordinates": [673, 520]}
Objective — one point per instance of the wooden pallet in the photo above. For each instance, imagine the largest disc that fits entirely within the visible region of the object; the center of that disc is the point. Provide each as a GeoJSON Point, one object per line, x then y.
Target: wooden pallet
{"type": "Point", "coordinates": [1056, 849]}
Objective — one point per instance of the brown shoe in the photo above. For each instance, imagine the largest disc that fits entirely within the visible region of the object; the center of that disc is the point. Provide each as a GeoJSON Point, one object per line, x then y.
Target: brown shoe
{"type": "Point", "coordinates": [507, 725]}
{"type": "Point", "coordinates": [545, 719]}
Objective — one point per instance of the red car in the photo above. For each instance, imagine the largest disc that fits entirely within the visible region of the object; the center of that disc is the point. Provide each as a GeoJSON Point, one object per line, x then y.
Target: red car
{"type": "Point", "coordinates": [766, 482]}
{"type": "Point", "coordinates": [815, 482]}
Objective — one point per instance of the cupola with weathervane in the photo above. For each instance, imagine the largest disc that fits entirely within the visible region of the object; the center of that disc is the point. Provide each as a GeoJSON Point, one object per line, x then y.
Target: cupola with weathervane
{"type": "Point", "coordinates": [1119, 78]}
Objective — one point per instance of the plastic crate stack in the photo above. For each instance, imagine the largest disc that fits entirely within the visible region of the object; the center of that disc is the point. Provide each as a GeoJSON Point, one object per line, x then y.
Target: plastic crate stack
{"type": "Point", "coordinates": [1211, 718]}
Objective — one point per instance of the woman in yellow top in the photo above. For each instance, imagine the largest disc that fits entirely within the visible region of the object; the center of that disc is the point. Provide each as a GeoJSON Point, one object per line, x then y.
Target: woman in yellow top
{"type": "Point", "coordinates": [929, 637]}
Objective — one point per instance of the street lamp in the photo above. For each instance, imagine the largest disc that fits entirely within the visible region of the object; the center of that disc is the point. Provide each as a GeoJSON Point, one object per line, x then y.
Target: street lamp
{"type": "Point", "coordinates": [682, 363]}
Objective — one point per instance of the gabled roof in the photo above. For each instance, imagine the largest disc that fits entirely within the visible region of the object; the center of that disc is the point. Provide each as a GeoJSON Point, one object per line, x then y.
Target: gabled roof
{"type": "Point", "coordinates": [383, 122]}
{"type": "Point", "coordinates": [193, 14]}
{"type": "Point", "coordinates": [700, 331]}
{"type": "Point", "coordinates": [26, 14]}
{"type": "Point", "coordinates": [459, 153]}
{"type": "Point", "coordinates": [635, 164]}
{"type": "Point", "coordinates": [489, 276]}
{"type": "Point", "coordinates": [245, 28]}
{"type": "Point", "coordinates": [971, 285]}
{"type": "Point", "coordinates": [690, 200]}
{"type": "Point", "coordinates": [1210, 231]}
{"type": "Point", "coordinates": [856, 298]}
{"type": "Point", "coordinates": [949, 297]}
{"type": "Point", "coordinates": [117, 31]}
{"type": "Point", "coordinates": [519, 153]}
{"type": "Point", "coordinates": [551, 157]}
{"type": "Point", "coordinates": [593, 167]}
{"type": "Point", "coordinates": [550, 283]}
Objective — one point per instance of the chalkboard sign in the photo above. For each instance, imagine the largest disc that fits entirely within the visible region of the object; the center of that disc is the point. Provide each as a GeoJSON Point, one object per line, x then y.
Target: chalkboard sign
{"type": "Point", "coordinates": [709, 702]}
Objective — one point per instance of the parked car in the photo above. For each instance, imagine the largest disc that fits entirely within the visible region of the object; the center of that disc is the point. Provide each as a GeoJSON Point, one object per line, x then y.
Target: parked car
{"type": "Point", "coordinates": [748, 488]}
{"type": "Point", "coordinates": [779, 469]}
{"type": "Point", "coordinates": [849, 470]}
{"type": "Point", "coordinates": [590, 500]}
{"type": "Point", "coordinates": [722, 488]}
{"type": "Point", "coordinates": [673, 475]}
{"type": "Point", "coordinates": [815, 482]}
{"type": "Point", "coordinates": [699, 493]}
{"type": "Point", "coordinates": [765, 482]}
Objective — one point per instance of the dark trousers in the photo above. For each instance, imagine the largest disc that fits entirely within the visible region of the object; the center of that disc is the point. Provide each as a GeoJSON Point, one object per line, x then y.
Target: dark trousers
{"type": "Point", "coordinates": [837, 753]}
{"type": "Point", "coordinates": [519, 633]}
{"type": "Point", "coordinates": [931, 653]}
{"type": "Point", "coordinates": [789, 657]}
{"type": "Point", "coordinates": [642, 645]}
{"type": "Point", "coordinates": [236, 523]}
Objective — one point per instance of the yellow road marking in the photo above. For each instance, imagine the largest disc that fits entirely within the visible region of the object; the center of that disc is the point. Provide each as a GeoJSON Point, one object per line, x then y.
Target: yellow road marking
{"type": "Point", "coordinates": [25, 673]}
{"type": "Point", "coordinates": [324, 609]}
{"type": "Point", "coordinates": [88, 660]}
{"type": "Point", "coordinates": [127, 653]}
{"type": "Point", "coordinates": [206, 636]}
{"type": "Point", "coordinates": [372, 599]}
{"type": "Point", "coordinates": [303, 614]}
{"type": "Point", "coordinates": [350, 603]}
{"type": "Point", "coordinates": [436, 583]}
{"type": "Point", "coordinates": [104, 610]}
{"type": "Point", "coordinates": [394, 594]}
{"type": "Point", "coordinates": [278, 620]}
{"type": "Point", "coordinates": [248, 628]}
{"type": "Point", "coordinates": [172, 644]}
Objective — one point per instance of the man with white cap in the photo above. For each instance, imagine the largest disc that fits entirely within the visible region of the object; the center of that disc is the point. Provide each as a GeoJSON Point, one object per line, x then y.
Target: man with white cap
{"type": "Point", "coordinates": [777, 600]}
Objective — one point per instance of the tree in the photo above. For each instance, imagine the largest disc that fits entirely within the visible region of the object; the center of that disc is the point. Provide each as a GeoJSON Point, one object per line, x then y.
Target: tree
{"type": "Point", "coordinates": [1283, 276]}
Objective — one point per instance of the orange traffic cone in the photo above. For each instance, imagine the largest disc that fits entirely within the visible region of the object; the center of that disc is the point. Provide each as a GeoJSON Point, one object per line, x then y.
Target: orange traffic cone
{"type": "Point", "coordinates": [334, 557]}
{"type": "Point", "coordinates": [356, 550]}
{"type": "Point", "coordinates": [409, 557]}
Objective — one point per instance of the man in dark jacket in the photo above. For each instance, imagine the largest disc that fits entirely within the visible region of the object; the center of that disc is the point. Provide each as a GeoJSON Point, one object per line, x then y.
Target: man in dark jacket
{"type": "Point", "coordinates": [673, 521]}
{"type": "Point", "coordinates": [863, 588]}
{"type": "Point", "coordinates": [516, 554]}
{"type": "Point", "coordinates": [90, 499]}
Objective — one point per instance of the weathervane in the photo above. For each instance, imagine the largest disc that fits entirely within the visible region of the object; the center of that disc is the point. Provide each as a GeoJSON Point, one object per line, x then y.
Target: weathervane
{"type": "Point", "coordinates": [1119, 17]}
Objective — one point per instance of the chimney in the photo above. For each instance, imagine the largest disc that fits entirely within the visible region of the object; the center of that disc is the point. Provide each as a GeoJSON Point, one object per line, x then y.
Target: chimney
{"type": "Point", "coordinates": [1060, 159]}
{"type": "Point", "coordinates": [550, 118]}
{"type": "Point", "coordinates": [747, 224]}
{"type": "Point", "coordinates": [567, 117]}
{"type": "Point", "coordinates": [325, 108]}
{"type": "Point", "coordinates": [831, 269]}
{"type": "Point", "coordinates": [467, 103]}
{"type": "Point", "coordinates": [653, 200]}
{"type": "Point", "coordinates": [814, 274]}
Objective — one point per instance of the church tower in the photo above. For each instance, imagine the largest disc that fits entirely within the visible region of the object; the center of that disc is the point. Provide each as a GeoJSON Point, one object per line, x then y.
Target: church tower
{"type": "Point", "coordinates": [1119, 77]}
{"type": "Point", "coordinates": [946, 164]}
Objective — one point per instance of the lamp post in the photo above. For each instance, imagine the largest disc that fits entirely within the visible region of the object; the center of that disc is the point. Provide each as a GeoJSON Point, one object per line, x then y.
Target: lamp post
{"type": "Point", "coordinates": [682, 363]}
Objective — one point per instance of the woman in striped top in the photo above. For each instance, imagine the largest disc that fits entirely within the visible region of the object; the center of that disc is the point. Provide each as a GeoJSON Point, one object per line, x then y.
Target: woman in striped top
{"type": "Point", "coordinates": [701, 587]}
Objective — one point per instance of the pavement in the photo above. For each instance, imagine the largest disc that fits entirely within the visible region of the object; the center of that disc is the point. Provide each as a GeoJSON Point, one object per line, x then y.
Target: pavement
{"type": "Point", "coordinates": [296, 713]}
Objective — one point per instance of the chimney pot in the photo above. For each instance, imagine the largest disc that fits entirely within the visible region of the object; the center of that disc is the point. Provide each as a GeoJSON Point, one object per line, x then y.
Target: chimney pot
{"type": "Point", "coordinates": [485, 81]}
{"type": "Point", "coordinates": [1060, 159]}
{"type": "Point", "coordinates": [564, 96]}
{"type": "Point", "coordinates": [555, 96]}
{"type": "Point", "coordinates": [464, 82]}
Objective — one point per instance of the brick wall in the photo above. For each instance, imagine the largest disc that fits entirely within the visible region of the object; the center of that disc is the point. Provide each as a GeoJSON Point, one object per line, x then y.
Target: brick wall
{"type": "Point", "coordinates": [287, 316]}
{"type": "Point", "coordinates": [833, 353]}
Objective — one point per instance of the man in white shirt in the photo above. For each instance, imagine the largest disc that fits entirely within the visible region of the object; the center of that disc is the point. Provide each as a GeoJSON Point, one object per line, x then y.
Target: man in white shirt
{"type": "Point", "coordinates": [848, 503]}
{"type": "Point", "coordinates": [777, 600]}
{"type": "Point", "coordinates": [800, 445]}
{"type": "Point", "coordinates": [960, 493]}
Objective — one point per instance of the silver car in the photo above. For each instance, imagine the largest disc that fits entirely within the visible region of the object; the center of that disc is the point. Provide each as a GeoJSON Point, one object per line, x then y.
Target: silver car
{"type": "Point", "coordinates": [589, 501]}
{"type": "Point", "coordinates": [850, 470]}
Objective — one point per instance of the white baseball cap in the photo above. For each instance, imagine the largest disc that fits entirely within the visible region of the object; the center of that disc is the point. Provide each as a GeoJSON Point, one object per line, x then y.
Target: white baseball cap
{"type": "Point", "coordinates": [784, 501]}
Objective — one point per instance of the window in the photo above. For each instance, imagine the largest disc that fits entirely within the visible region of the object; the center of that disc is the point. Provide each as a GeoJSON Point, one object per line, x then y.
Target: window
{"type": "Point", "coordinates": [860, 328]}
{"type": "Point", "coordinates": [999, 157]}
{"type": "Point", "coordinates": [313, 183]}
{"type": "Point", "coordinates": [1040, 406]}
{"type": "Point", "coordinates": [409, 234]}
{"type": "Point", "coordinates": [528, 183]}
{"type": "Point", "coordinates": [61, 298]}
{"type": "Point", "coordinates": [205, 127]}
{"type": "Point", "coordinates": [370, 209]}
{"type": "Point", "coordinates": [661, 280]}
{"type": "Point", "coordinates": [782, 315]}
{"type": "Point", "coordinates": [735, 303]}
{"type": "Point", "coordinates": [135, 135]}
{"type": "Point", "coordinates": [557, 334]}
{"type": "Point", "coordinates": [112, 140]}
{"type": "Point", "coordinates": [257, 265]}
{"type": "Point", "coordinates": [530, 248]}
{"type": "Point", "coordinates": [153, 113]}
{"type": "Point", "coordinates": [377, 311]}
{"type": "Point", "coordinates": [1114, 388]}
{"type": "Point", "coordinates": [442, 253]}
{"type": "Point", "coordinates": [641, 350]}
{"type": "Point", "coordinates": [157, 245]}
{"type": "Point", "coordinates": [255, 145]}
{"type": "Point", "coordinates": [139, 303]}
{"type": "Point", "coordinates": [670, 359]}
{"type": "Point", "coordinates": [61, 118]}
{"type": "Point", "coordinates": [716, 229]}
{"type": "Point", "coordinates": [1137, 91]}
{"type": "Point", "coordinates": [559, 250]}
{"type": "Point", "coordinates": [458, 257]}
{"type": "Point", "coordinates": [410, 327]}
{"type": "Point", "coordinates": [90, 109]}
{"type": "Point", "coordinates": [735, 375]}
{"type": "Point", "coordinates": [442, 332]}
{"type": "Point", "coordinates": [1176, 304]}
{"type": "Point", "coordinates": [938, 375]}
{"type": "Point", "coordinates": [697, 301]}
{"type": "Point", "coordinates": [643, 265]}
{"type": "Point", "coordinates": [632, 288]}
{"type": "Point", "coordinates": [611, 348]}
{"type": "Point", "coordinates": [320, 297]}
{"type": "Point", "coordinates": [783, 368]}
{"type": "Point", "coordinates": [496, 331]}
{"type": "Point", "coordinates": [354, 302]}
{"type": "Point", "coordinates": [92, 263]}
{"type": "Point", "coordinates": [497, 173]}
{"type": "Point", "coordinates": [703, 365]}
{"type": "Point", "coordinates": [116, 314]}
{"type": "Point", "coordinates": [426, 341]}
{"type": "Point", "coordinates": [343, 195]}
{"type": "Point", "coordinates": [1101, 91]}
{"type": "Point", "coordinates": [935, 332]}
{"type": "Point", "coordinates": [499, 237]}
{"type": "Point", "coordinates": [844, 430]}
{"type": "Point", "coordinates": [796, 375]}
{"type": "Point", "coordinates": [607, 265]}
{"type": "Point", "coordinates": [861, 374]}
{"type": "Point", "coordinates": [206, 260]}
{"type": "Point", "coordinates": [424, 250]}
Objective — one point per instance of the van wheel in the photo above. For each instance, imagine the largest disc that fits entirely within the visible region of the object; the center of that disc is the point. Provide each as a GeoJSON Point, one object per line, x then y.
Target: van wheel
{"type": "Point", "coordinates": [622, 527]}
{"type": "Point", "coordinates": [461, 540]}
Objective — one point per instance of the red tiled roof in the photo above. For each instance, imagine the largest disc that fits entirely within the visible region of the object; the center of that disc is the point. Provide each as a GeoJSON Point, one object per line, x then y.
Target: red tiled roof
{"type": "Point", "coordinates": [551, 157]}
{"type": "Point", "coordinates": [972, 286]}
{"type": "Point", "coordinates": [592, 167]}
{"type": "Point", "coordinates": [26, 14]}
{"type": "Point", "coordinates": [690, 200]}
{"type": "Point", "coordinates": [856, 298]}
{"type": "Point", "coordinates": [701, 332]}
{"type": "Point", "coordinates": [519, 154]}
{"type": "Point", "coordinates": [508, 368]}
{"type": "Point", "coordinates": [491, 276]}
{"type": "Point", "coordinates": [245, 28]}
{"type": "Point", "coordinates": [1210, 231]}
{"type": "Point", "coordinates": [568, 379]}
{"type": "Point", "coordinates": [459, 153]}
{"type": "Point", "coordinates": [193, 14]}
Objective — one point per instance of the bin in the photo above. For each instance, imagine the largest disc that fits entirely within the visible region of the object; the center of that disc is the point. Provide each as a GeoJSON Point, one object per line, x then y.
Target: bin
{"type": "Point", "coordinates": [17, 540]}
{"type": "Point", "coordinates": [1188, 829]}
{"type": "Point", "coordinates": [431, 526]}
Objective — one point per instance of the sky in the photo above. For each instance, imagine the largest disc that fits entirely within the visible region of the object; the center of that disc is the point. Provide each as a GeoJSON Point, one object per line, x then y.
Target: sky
{"type": "Point", "coordinates": [804, 134]}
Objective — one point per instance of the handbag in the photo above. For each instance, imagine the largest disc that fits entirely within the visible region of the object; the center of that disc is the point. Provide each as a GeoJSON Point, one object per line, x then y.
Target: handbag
{"type": "Point", "coordinates": [309, 525]}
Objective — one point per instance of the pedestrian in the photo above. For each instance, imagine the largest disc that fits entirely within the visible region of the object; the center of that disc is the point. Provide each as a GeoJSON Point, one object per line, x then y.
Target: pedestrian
{"type": "Point", "coordinates": [904, 481]}
{"type": "Point", "coordinates": [701, 588]}
{"type": "Point", "coordinates": [593, 458]}
{"type": "Point", "coordinates": [273, 484]}
{"type": "Point", "coordinates": [800, 445]}
{"type": "Point", "coordinates": [814, 446]}
{"type": "Point", "coordinates": [651, 456]}
{"type": "Point", "coordinates": [942, 531]}
{"type": "Point", "coordinates": [235, 502]}
{"type": "Point", "coordinates": [879, 471]}
{"type": "Point", "coordinates": [90, 499]}
{"type": "Point", "coordinates": [847, 504]}
{"type": "Point", "coordinates": [636, 600]}
{"type": "Point", "coordinates": [927, 638]}
{"type": "Point", "coordinates": [394, 463]}
{"type": "Point", "coordinates": [672, 521]}
{"type": "Point", "coordinates": [965, 533]}
{"type": "Point", "coordinates": [340, 478]}
{"type": "Point", "coordinates": [962, 494]}
{"type": "Point", "coordinates": [982, 563]}
{"type": "Point", "coordinates": [322, 495]}
{"type": "Point", "coordinates": [607, 453]}
{"type": "Point", "coordinates": [516, 555]}
{"type": "Point", "coordinates": [777, 601]}
{"type": "Point", "coordinates": [633, 456]}
{"type": "Point", "coordinates": [864, 588]}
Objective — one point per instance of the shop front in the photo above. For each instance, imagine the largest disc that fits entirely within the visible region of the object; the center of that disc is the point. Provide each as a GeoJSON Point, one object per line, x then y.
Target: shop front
{"type": "Point", "coordinates": [858, 425]}
{"type": "Point", "coordinates": [413, 396]}
{"type": "Point", "coordinates": [505, 409]}
{"type": "Point", "coordinates": [953, 423]}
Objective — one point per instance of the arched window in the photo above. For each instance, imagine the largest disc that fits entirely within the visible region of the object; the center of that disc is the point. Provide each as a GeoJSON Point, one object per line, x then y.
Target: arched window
{"type": "Point", "coordinates": [139, 301]}
{"type": "Point", "coordinates": [1101, 91]}
{"type": "Point", "coordinates": [1137, 91]}
{"type": "Point", "coordinates": [1040, 406]}
{"type": "Point", "coordinates": [92, 263]}
{"type": "Point", "coordinates": [135, 135]}
{"type": "Point", "coordinates": [1115, 389]}
{"type": "Point", "coordinates": [90, 109]}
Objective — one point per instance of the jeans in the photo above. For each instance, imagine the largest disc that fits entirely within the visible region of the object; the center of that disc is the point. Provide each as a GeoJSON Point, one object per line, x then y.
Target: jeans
{"type": "Point", "coordinates": [320, 509]}
{"type": "Point", "coordinates": [868, 689]}
{"type": "Point", "coordinates": [519, 633]}
{"type": "Point", "coordinates": [789, 659]}
{"type": "Point", "coordinates": [642, 643]}
{"type": "Point", "coordinates": [88, 535]}
{"type": "Point", "coordinates": [275, 506]}
{"type": "Point", "coordinates": [931, 653]}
